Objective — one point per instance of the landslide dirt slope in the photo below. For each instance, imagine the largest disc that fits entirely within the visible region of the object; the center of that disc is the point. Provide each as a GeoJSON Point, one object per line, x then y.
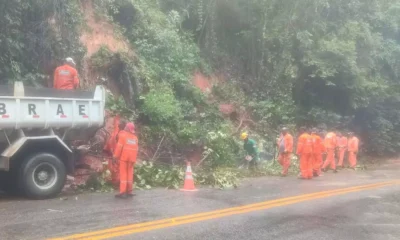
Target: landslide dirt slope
{"type": "Point", "coordinates": [98, 32]}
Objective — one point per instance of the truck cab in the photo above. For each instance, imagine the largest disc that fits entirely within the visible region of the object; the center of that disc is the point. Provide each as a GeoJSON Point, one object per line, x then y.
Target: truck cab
{"type": "Point", "coordinates": [37, 131]}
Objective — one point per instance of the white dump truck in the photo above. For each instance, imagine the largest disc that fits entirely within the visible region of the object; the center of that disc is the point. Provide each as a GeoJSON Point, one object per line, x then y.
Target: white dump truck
{"type": "Point", "coordinates": [37, 127]}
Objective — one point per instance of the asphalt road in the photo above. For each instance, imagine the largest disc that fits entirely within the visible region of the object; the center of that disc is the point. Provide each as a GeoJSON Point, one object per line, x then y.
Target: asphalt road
{"type": "Point", "coordinates": [263, 211]}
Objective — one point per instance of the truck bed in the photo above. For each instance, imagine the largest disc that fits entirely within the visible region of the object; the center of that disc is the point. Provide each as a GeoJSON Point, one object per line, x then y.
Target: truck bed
{"type": "Point", "coordinates": [8, 91]}
{"type": "Point", "coordinates": [43, 108]}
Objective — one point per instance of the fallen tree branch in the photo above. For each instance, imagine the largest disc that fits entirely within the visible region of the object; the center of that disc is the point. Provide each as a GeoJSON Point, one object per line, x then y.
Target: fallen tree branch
{"type": "Point", "coordinates": [243, 120]}
{"type": "Point", "coordinates": [145, 153]}
{"type": "Point", "coordinates": [158, 148]}
{"type": "Point", "coordinates": [204, 158]}
{"type": "Point", "coordinates": [240, 125]}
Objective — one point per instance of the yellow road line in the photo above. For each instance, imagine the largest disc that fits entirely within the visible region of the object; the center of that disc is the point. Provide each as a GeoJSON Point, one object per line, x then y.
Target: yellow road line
{"type": "Point", "coordinates": [148, 226]}
{"type": "Point", "coordinates": [207, 213]}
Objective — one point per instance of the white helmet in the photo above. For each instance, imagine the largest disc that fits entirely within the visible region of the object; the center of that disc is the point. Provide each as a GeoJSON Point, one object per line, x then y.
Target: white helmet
{"type": "Point", "coordinates": [70, 60]}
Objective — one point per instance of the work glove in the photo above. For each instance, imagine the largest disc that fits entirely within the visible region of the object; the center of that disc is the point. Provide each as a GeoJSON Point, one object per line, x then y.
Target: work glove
{"type": "Point", "coordinates": [248, 158]}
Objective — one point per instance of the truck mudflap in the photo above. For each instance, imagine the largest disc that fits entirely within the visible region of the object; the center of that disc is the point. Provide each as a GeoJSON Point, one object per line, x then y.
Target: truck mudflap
{"type": "Point", "coordinates": [4, 163]}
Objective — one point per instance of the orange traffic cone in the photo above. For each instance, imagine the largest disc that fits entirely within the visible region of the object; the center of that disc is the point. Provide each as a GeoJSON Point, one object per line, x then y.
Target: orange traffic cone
{"type": "Point", "coordinates": [189, 181]}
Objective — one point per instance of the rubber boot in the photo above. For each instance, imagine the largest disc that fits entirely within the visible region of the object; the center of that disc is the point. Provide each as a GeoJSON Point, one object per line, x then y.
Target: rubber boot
{"type": "Point", "coordinates": [121, 195]}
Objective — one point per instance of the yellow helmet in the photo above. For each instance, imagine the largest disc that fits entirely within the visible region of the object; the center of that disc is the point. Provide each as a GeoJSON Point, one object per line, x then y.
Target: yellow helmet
{"type": "Point", "coordinates": [244, 135]}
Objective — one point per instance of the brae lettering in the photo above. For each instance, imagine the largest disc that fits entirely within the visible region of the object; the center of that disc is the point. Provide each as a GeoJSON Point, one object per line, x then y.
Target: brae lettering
{"type": "Point", "coordinates": [32, 109]}
{"type": "Point", "coordinates": [60, 110]}
{"type": "Point", "coordinates": [82, 110]}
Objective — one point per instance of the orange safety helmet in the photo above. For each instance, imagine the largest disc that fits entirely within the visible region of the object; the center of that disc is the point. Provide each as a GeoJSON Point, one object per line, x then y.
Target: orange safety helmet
{"type": "Point", "coordinates": [130, 127]}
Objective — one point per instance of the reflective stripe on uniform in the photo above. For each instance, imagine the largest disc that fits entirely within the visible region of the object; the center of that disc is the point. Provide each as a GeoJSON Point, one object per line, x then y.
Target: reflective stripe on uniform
{"type": "Point", "coordinates": [131, 141]}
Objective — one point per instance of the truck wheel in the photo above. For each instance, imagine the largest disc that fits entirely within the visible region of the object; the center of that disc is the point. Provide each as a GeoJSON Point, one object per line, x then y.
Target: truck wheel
{"type": "Point", "coordinates": [42, 176]}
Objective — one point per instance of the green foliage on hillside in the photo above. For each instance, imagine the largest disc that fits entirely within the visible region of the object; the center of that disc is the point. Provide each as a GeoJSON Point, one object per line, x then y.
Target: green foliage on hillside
{"type": "Point", "coordinates": [161, 106]}
{"type": "Point", "coordinates": [35, 36]}
{"type": "Point", "coordinates": [306, 62]}
{"type": "Point", "coordinates": [175, 117]}
{"type": "Point", "coordinates": [332, 63]}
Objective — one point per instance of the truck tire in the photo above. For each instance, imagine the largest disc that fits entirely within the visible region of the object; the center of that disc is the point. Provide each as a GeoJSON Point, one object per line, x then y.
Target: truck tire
{"type": "Point", "coordinates": [42, 176]}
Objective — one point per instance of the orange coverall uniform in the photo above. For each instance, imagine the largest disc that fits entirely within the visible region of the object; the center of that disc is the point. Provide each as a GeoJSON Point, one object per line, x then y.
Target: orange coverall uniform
{"type": "Point", "coordinates": [110, 147]}
{"type": "Point", "coordinates": [318, 149]}
{"type": "Point", "coordinates": [126, 152]}
{"type": "Point", "coordinates": [66, 77]}
{"type": "Point", "coordinates": [304, 150]}
{"type": "Point", "coordinates": [285, 146]}
{"type": "Point", "coordinates": [342, 146]}
{"type": "Point", "coordinates": [353, 150]}
{"type": "Point", "coordinates": [330, 145]}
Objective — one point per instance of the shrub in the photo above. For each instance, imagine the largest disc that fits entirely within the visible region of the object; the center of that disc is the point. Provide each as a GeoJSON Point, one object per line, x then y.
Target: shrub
{"type": "Point", "coordinates": [222, 178]}
{"type": "Point", "coordinates": [148, 175]}
{"type": "Point", "coordinates": [160, 106]}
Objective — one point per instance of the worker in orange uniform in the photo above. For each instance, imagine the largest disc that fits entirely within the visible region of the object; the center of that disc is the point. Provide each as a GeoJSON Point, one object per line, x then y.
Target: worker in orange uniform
{"type": "Point", "coordinates": [285, 146]}
{"type": "Point", "coordinates": [318, 149]}
{"type": "Point", "coordinates": [66, 76]}
{"type": "Point", "coordinates": [304, 151]}
{"type": "Point", "coordinates": [110, 146]}
{"type": "Point", "coordinates": [341, 146]}
{"type": "Point", "coordinates": [330, 142]}
{"type": "Point", "coordinates": [126, 152]}
{"type": "Point", "coordinates": [352, 148]}
{"type": "Point", "coordinates": [112, 140]}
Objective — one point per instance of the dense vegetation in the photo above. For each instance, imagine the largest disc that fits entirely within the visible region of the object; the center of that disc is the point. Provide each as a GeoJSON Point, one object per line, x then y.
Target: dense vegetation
{"type": "Point", "coordinates": [328, 63]}
{"type": "Point", "coordinates": [35, 36]}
